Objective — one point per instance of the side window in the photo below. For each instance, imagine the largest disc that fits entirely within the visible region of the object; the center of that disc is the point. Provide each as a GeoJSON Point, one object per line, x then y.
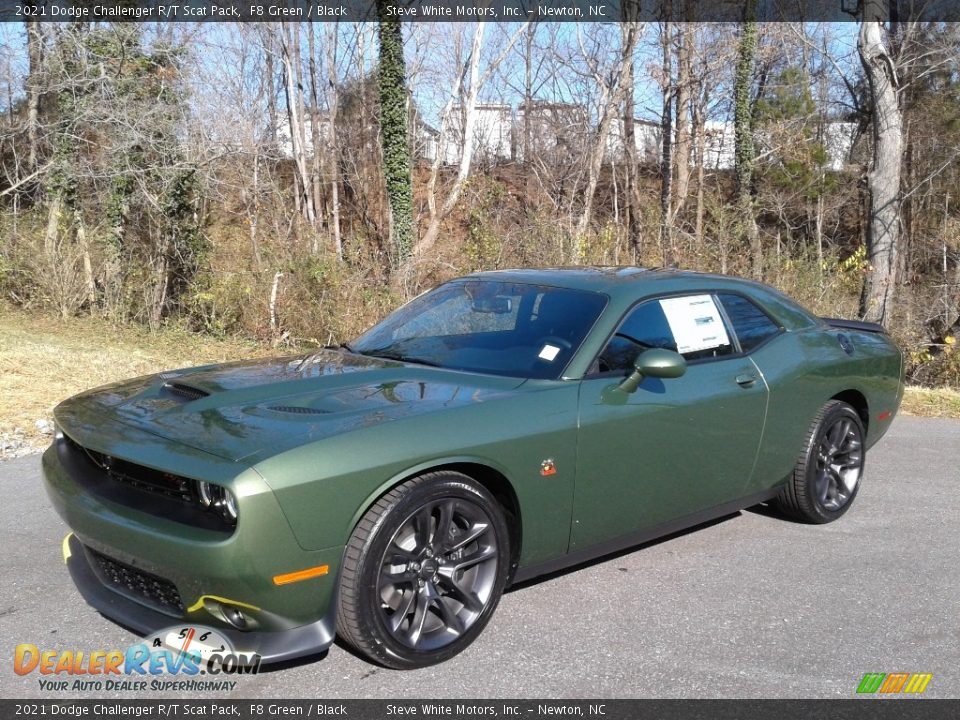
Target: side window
{"type": "Point", "coordinates": [690, 324]}
{"type": "Point", "coordinates": [750, 323]}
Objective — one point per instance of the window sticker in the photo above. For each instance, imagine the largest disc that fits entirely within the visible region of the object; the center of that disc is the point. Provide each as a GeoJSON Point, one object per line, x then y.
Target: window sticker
{"type": "Point", "coordinates": [695, 322]}
{"type": "Point", "coordinates": [549, 352]}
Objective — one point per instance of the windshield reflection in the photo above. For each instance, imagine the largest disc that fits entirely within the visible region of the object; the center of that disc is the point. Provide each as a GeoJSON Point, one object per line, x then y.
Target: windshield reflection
{"type": "Point", "coordinates": [486, 326]}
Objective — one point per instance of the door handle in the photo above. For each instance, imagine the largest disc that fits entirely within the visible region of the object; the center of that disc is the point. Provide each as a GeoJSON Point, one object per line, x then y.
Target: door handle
{"type": "Point", "coordinates": [746, 379]}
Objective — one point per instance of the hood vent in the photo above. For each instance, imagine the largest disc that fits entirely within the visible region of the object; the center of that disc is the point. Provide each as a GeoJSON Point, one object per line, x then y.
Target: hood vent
{"type": "Point", "coordinates": [185, 391]}
{"type": "Point", "coordinates": [297, 409]}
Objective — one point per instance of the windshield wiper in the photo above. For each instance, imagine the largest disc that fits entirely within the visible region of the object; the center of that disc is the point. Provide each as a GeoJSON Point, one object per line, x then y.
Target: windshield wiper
{"type": "Point", "coordinates": [388, 354]}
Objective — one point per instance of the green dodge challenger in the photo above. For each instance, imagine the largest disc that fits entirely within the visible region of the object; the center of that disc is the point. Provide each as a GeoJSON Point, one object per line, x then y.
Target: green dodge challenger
{"type": "Point", "coordinates": [501, 426]}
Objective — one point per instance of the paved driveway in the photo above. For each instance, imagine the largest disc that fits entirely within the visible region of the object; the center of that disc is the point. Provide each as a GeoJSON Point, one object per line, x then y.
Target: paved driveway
{"type": "Point", "coordinates": [751, 606]}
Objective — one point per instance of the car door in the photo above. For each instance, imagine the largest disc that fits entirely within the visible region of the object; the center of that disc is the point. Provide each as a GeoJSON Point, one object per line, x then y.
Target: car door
{"type": "Point", "coordinates": [673, 446]}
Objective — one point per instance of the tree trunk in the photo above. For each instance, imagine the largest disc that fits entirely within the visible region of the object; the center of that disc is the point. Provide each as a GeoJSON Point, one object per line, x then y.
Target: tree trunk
{"type": "Point", "coordinates": [269, 80]}
{"type": "Point", "coordinates": [632, 205]}
{"type": "Point", "coordinates": [743, 135]}
{"type": "Point", "coordinates": [253, 210]}
{"type": "Point", "coordinates": [315, 140]}
{"type": "Point", "coordinates": [666, 149]}
{"type": "Point", "coordinates": [52, 234]}
{"type": "Point", "coordinates": [528, 92]}
{"type": "Point", "coordinates": [469, 121]}
{"type": "Point", "coordinates": [883, 179]}
{"type": "Point", "coordinates": [611, 98]}
{"type": "Point", "coordinates": [684, 140]}
{"type": "Point", "coordinates": [466, 155]}
{"type": "Point", "coordinates": [700, 131]}
{"type": "Point", "coordinates": [84, 246]}
{"type": "Point", "coordinates": [34, 86]}
{"type": "Point", "coordinates": [295, 113]}
{"type": "Point", "coordinates": [333, 146]}
{"type": "Point", "coordinates": [393, 133]}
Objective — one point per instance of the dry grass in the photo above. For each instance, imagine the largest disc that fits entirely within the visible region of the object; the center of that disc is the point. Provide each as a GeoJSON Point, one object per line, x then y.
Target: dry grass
{"type": "Point", "coordinates": [931, 402]}
{"type": "Point", "coordinates": [44, 360]}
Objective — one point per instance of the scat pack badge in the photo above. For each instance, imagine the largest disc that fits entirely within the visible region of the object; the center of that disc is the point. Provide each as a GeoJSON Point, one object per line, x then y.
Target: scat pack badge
{"type": "Point", "coordinates": [184, 651]}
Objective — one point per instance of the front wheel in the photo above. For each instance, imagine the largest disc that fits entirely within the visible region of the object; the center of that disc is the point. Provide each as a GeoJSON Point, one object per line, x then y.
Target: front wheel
{"type": "Point", "coordinates": [827, 476]}
{"type": "Point", "coordinates": [423, 571]}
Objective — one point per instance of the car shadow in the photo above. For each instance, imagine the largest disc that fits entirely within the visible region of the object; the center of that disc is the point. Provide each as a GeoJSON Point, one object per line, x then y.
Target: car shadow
{"type": "Point", "coordinates": [768, 510]}
{"type": "Point", "coordinates": [295, 662]}
{"type": "Point", "coordinates": [764, 510]}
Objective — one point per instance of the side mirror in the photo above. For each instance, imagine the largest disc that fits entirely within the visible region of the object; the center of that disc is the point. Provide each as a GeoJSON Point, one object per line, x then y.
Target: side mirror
{"type": "Point", "coordinates": [654, 363]}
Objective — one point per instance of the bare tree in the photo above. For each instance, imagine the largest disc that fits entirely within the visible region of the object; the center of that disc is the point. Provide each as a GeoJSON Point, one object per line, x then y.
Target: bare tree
{"type": "Point", "coordinates": [35, 55]}
{"type": "Point", "coordinates": [630, 143]}
{"type": "Point", "coordinates": [612, 84]}
{"type": "Point", "coordinates": [666, 144]}
{"type": "Point", "coordinates": [883, 178]}
{"type": "Point", "coordinates": [292, 61]}
{"type": "Point", "coordinates": [333, 147]}
{"type": "Point", "coordinates": [466, 92]}
{"type": "Point", "coordinates": [686, 39]}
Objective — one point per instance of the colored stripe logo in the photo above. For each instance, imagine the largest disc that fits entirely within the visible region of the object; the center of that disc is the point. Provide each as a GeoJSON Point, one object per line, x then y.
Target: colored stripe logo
{"type": "Point", "coordinates": [894, 683]}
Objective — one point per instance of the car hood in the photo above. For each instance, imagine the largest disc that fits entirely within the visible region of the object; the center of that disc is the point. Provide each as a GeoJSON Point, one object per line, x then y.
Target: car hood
{"type": "Point", "coordinates": [240, 410]}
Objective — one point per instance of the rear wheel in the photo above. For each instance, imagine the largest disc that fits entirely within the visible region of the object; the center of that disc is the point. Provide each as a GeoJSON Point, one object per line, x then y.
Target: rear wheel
{"type": "Point", "coordinates": [827, 476]}
{"type": "Point", "coordinates": [423, 571]}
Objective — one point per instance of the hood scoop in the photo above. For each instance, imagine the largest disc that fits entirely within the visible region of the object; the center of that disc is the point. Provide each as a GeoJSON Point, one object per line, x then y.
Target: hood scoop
{"type": "Point", "coordinates": [184, 392]}
{"type": "Point", "coordinates": [297, 410]}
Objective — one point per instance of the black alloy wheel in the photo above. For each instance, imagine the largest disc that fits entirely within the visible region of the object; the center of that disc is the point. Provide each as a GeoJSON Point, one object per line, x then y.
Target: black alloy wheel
{"type": "Point", "coordinates": [424, 571]}
{"type": "Point", "coordinates": [827, 475]}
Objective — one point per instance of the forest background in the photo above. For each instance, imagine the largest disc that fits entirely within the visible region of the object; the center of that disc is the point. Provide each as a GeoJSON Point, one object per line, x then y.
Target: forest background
{"type": "Point", "coordinates": [291, 183]}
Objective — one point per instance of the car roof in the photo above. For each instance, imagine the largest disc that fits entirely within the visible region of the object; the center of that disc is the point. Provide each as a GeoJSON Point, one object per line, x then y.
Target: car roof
{"type": "Point", "coordinates": [617, 281]}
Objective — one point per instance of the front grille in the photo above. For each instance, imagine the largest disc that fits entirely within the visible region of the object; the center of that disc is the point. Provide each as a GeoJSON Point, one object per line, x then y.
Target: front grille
{"type": "Point", "coordinates": [142, 586]}
{"type": "Point", "coordinates": [144, 478]}
{"type": "Point", "coordinates": [157, 492]}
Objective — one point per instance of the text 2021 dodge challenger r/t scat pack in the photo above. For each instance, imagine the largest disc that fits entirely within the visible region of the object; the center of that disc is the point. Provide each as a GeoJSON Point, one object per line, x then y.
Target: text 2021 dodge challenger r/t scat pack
{"type": "Point", "coordinates": [498, 427]}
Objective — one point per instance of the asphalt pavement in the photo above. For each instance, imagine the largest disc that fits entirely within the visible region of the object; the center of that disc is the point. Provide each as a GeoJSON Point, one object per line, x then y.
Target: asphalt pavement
{"type": "Point", "coordinates": [751, 606]}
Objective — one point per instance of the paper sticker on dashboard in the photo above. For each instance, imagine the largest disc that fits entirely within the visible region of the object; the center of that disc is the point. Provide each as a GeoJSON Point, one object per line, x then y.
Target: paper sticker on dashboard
{"type": "Point", "coordinates": [695, 322]}
{"type": "Point", "coordinates": [549, 352]}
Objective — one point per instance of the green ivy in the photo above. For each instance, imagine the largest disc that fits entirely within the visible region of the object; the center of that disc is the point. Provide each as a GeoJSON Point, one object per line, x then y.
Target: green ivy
{"type": "Point", "coordinates": [392, 76]}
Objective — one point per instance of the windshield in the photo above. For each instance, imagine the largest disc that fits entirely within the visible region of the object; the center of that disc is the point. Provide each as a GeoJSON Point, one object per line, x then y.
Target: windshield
{"type": "Point", "coordinates": [500, 328]}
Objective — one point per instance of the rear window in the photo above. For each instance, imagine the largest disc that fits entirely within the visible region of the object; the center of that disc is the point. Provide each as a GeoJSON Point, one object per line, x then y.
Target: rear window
{"type": "Point", "coordinates": [750, 323]}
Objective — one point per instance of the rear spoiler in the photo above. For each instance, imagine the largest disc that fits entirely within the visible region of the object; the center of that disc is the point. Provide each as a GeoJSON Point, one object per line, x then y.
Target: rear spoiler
{"type": "Point", "coordinates": [854, 325]}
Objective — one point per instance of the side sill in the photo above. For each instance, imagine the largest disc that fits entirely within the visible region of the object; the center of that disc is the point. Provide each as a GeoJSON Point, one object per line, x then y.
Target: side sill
{"type": "Point", "coordinates": [639, 537]}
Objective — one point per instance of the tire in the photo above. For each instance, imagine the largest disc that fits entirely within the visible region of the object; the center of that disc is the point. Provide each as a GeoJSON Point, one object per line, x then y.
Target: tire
{"type": "Point", "coordinates": [827, 475]}
{"type": "Point", "coordinates": [423, 571]}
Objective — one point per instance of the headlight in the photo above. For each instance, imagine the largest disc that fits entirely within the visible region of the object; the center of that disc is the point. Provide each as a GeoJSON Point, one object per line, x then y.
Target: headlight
{"type": "Point", "coordinates": [219, 499]}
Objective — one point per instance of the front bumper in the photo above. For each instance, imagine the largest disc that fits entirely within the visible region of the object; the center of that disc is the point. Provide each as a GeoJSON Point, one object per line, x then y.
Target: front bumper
{"type": "Point", "coordinates": [273, 647]}
{"type": "Point", "coordinates": [201, 572]}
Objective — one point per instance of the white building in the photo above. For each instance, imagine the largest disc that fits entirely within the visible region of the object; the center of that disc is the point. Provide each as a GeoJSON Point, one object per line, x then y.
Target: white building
{"type": "Point", "coordinates": [562, 132]}
{"type": "Point", "coordinates": [492, 134]}
{"type": "Point", "coordinates": [646, 139]}
{"type": "Point", "coordinates": [552, 132]}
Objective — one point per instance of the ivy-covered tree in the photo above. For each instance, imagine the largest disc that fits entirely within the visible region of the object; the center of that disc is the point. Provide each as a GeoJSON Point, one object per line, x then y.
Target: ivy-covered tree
{"type": "Point", "coordinates": [394, 135]}
{"type": "Point", "coordinates": [122, 199]}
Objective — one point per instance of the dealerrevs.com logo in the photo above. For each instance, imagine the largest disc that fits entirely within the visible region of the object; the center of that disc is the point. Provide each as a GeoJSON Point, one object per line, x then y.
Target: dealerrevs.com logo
{"type": "Point", "coordinates": [170, 660]}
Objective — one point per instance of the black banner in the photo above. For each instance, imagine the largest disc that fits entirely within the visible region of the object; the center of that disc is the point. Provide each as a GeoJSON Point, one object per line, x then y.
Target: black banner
{"type": "Point", "coordinates": [875, 709]}
{"type": "Point", "coordinates": [475, 10]}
